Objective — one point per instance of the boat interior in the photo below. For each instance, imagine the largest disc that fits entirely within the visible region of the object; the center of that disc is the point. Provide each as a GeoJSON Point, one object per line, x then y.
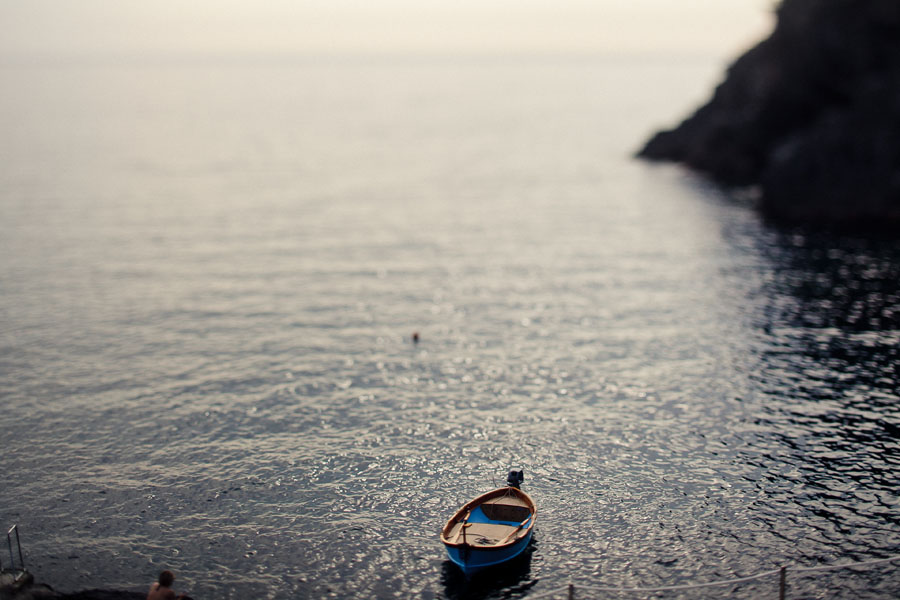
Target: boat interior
{"type": "Point", "coordinates": [494, 522]}
{"type": "Point", "coordinates": [506, 508]}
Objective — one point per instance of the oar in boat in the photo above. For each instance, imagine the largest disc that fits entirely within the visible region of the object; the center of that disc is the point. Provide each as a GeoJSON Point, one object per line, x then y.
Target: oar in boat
{"type": "Point", "coordinates": [462, 528]}
{"type": "Point", "coordinates": [513, 532]}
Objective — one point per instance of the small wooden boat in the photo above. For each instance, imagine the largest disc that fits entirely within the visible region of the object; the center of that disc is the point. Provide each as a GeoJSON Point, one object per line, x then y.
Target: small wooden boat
{"type": "Point", "coordinates": [491, 529]}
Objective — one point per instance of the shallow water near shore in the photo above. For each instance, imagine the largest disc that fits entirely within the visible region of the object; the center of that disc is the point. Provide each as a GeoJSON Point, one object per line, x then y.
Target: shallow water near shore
{"type": "Point", "coordinates": [212, 274]}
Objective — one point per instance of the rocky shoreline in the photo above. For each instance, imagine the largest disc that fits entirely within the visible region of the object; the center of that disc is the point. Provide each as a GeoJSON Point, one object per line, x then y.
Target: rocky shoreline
{"type": "Point", "coordinates": [809, 119]}
{"type": "Point", "coordinates": [21, 586]}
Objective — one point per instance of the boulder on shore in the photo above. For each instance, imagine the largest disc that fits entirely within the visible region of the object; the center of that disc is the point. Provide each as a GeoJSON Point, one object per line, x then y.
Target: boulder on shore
{"type": "Point", "coordinates": [810, 117]}
{"type": "Point", "coordinates": [20, 585]}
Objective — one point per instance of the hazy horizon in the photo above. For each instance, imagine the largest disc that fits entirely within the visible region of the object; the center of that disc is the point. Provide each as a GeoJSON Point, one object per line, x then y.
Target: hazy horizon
{"type": "Point", "coordinates": [237, 28]}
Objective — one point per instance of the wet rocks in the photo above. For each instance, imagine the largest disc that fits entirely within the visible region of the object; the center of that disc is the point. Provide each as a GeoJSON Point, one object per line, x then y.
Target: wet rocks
{"type": "Point", "coordinates": [104, 595]}
{"type": "Point", "coordinates": [21, 586]}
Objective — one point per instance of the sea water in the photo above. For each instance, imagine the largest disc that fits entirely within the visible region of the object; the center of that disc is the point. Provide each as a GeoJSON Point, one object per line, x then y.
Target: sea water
{"type": "Point", "coordinates": [212, 272]}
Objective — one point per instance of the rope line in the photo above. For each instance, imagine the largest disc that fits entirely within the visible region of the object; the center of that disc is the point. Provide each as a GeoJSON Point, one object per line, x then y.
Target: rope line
{"type": "Point", "coordinates": [687, 586]}
{"type": "Point", "coordinates": [690, 586]}
{"type": "Point", "coordinates": [868, 563]}
{"type": "Point", "coordinates": [552, 592]}
{"type": "Point", "coordinates": [548, 593]}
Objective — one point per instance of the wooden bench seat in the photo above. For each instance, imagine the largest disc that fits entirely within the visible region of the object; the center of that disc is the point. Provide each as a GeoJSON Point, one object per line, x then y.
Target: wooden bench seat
{"type": "Point", "coordinates": [507, 508]}
{"type": "Point", "coordinates": [481, 534]}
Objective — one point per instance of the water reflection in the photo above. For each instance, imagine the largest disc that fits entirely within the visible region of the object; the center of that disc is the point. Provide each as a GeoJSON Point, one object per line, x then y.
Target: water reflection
{"type": "Point", "coordinates": [691, 407]}
{"type": "Point", "coordinates": [834, 301]}
{"type": "Point", "coordinates": [828, 373]}
{"type": "Point", "coordinates": [842, 281]}
{"type": "Point", "coordinates": [508, 580]}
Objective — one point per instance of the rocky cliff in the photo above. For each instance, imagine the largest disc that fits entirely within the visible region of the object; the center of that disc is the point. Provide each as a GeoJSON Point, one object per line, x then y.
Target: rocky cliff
{"type": "Point", "coordinates": [810, 115]}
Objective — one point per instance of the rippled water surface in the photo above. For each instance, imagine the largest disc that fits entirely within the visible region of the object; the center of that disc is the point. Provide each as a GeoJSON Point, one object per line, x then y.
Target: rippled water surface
{"type": "Point", "coordinates": [212, 273]}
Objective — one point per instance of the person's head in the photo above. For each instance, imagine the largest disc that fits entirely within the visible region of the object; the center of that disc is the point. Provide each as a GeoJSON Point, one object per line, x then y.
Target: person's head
{"type": "Point", "coordinates": [166, 578]}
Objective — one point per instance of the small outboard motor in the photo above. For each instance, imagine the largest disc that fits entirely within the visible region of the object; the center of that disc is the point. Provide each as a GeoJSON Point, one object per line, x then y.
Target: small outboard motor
{"type": "Point", "coordinates": [515, 478]}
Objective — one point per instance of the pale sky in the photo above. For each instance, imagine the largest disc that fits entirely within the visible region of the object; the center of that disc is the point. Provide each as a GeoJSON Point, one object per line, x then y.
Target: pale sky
{"type": "Point", "coordinates": [127, 28]}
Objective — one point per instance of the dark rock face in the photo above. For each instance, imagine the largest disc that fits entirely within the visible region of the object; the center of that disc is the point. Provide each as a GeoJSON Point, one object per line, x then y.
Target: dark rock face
{"type": "Point", "coordinates": [811, 115]}
{"type": "Point", "coordinates": [104, 595]}
{"type": "Point", "coordinates": [21, 586]}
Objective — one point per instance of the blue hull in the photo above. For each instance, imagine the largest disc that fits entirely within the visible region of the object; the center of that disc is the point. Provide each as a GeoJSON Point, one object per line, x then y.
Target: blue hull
{"type": "Point", "coordinates": [472, 559]}
{"type": "Point", "coordinates": [492, 529]}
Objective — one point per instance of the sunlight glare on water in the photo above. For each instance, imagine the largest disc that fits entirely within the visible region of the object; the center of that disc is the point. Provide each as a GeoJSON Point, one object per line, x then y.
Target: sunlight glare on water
{"type": "Point", "coordinates": [209, 289]}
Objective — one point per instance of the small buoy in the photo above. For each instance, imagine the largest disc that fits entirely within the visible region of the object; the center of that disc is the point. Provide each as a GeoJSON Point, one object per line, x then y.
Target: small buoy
{"type": "Point", "coordinates": [415, 337]}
